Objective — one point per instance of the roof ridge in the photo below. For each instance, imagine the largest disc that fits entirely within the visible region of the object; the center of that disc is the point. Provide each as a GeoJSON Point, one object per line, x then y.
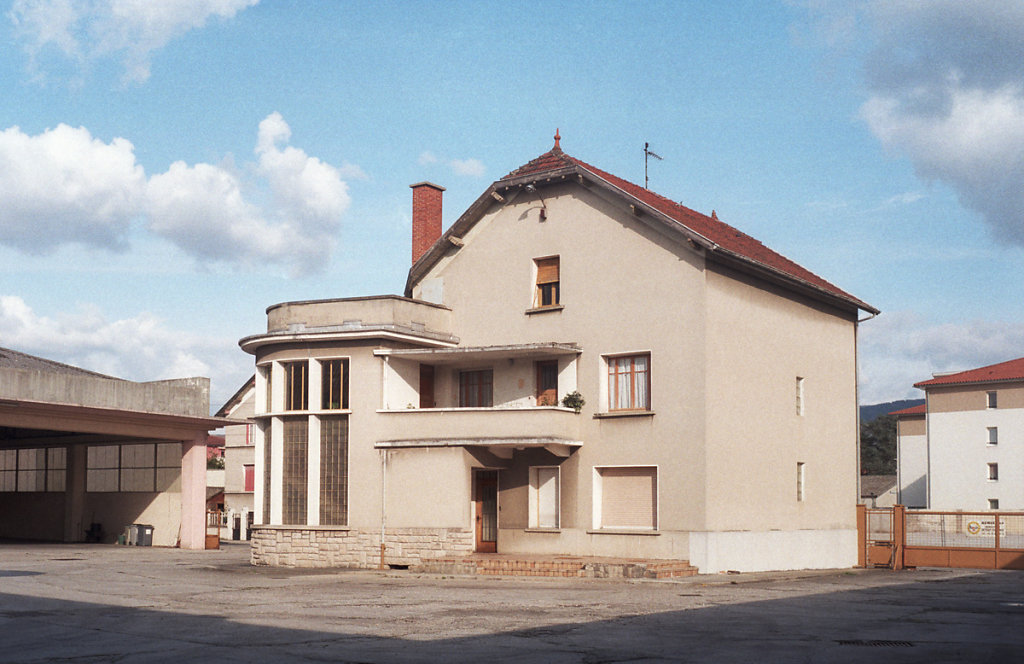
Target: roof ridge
{"type": "Point", "coordinates": [731, 240]}
{"type": "Point", "coordinates": [990, 373]}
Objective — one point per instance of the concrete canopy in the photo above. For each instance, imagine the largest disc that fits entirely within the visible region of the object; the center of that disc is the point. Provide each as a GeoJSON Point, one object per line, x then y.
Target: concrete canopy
{"type": "Point", "coordinates": [47, 405]}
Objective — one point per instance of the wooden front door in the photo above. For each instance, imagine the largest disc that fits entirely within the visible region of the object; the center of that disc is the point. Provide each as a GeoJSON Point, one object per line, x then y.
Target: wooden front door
{"type": "Point", "coordinates": [485, 502]}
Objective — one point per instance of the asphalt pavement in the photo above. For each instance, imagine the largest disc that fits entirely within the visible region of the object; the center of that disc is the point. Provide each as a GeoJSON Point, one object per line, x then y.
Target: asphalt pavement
{"type": "Point", "coordinates": [103, 603]}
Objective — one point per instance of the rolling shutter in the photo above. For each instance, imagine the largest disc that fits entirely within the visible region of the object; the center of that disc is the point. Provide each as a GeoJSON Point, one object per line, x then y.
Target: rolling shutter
{"type": "Point", "coordinates": [629, 497]}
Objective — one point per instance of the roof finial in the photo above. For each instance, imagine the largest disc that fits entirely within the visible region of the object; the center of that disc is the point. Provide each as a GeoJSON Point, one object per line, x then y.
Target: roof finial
{"type": "Point", "coordinates": [557, 140]}
{"type": "Point", "coordinates": [714, 216]}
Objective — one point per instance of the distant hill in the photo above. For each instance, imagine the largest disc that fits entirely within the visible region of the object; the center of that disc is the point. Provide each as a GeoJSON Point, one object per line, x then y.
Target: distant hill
{"type": "Point", "coordinates": [870, 412]}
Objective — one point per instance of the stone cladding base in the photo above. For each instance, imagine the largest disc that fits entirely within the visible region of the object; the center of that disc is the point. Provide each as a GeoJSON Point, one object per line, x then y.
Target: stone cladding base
{"type": "Point", "coordinates": [331, 546]}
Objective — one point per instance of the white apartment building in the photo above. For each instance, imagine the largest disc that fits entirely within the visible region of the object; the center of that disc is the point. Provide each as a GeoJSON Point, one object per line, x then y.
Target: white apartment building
{"type": "Point", "coordinates": [973, 435]}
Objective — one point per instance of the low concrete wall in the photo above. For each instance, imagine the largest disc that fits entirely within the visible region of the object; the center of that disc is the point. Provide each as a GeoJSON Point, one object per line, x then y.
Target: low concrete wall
{"type": "Point", "coordinates": [753, 551]}
{"type": "Point", "coordinates": [335, 546]}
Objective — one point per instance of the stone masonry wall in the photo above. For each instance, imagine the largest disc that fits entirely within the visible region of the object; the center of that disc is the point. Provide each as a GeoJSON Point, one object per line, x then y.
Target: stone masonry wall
{"type": "Point", "coordinates": [312, 546]}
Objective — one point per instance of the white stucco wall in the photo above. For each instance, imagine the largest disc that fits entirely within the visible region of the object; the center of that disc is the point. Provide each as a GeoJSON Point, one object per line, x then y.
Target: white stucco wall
{"type": "Point", "coordinates": [960, 454]}
{"type": "Point", "coordinates": [913, 470]}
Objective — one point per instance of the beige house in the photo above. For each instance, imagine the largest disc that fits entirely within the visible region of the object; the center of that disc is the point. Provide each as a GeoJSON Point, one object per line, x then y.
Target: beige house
{"type": "Point", "coordinates": [83, 455]}
{"type": "Point", "coordinates": [718, 379]}
{"type": "Point", "coordinates": [239, 462]}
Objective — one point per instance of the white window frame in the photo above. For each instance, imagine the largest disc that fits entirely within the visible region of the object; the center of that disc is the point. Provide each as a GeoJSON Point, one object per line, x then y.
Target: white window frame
{"type": "Point", "coordinates": [991, 400]}
{"type": "Point", "coordinates": [993, 435]}
{"type": "Point", "coordinates": [801, 481]}
{"type": "Point", "coordinates": [993, 503]}
{"type": "Point", "coordinates": [800, 396]}
{"type": "Point", "coordinates": [993, 472]}
{"type": "Point", "coordinates": [598, 495]}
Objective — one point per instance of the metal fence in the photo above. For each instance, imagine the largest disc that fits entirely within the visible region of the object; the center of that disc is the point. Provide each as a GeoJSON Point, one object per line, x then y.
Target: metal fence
{"type": "Point", "coordinates": [896, 537]}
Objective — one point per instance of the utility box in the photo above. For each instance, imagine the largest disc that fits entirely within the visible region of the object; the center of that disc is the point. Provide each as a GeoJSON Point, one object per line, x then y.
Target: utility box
{"type": "Point", "coordinates": [145, 536]}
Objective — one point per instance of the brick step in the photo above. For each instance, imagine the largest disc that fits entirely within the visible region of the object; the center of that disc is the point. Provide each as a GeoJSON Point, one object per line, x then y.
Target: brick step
{"type": "Point", "coordinates": [559, 567]}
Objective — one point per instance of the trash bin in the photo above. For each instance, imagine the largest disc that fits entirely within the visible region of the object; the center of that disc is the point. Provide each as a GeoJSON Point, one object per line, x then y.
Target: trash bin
{"type": "Point", "coordinates": [145, 534]}
{"type": "Point", "coordinates": [133, 534]}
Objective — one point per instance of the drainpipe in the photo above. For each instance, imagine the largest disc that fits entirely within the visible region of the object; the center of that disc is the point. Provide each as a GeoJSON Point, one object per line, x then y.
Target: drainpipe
{"type": "Point", "coordinates": [383, 502]}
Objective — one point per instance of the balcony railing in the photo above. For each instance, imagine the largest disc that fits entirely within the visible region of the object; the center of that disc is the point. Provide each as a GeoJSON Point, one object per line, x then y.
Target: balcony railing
{"type": "Point", "coordinates": [479, 423]}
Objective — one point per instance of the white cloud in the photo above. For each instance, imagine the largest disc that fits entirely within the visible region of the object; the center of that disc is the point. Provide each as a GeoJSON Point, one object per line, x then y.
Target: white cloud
{"type": "Point", "coordinates": [906, 198]}
{"type": "Point", "coordinates": [899, 349]}
{"type": "Point", "coordinates": [140, 348]}
{"type": "Point", "coordinates": [204, 209]}
{"type": "Point", "coordinates": [64, 185]}
{"type": "Point", "coordinates": [470, 167]}
{"type": "Point", "coordinates": [85, 31]}
{"type": "Point", "coordinates": [946, 82]}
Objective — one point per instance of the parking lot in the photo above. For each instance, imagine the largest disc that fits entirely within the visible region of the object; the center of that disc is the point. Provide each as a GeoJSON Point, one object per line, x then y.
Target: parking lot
{"type": "Point", "coordinates": [100, 603]}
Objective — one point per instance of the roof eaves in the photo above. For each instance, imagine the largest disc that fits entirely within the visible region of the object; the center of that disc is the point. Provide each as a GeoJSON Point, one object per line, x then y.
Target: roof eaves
{"type": "Point", "coordinates": [943, 382]}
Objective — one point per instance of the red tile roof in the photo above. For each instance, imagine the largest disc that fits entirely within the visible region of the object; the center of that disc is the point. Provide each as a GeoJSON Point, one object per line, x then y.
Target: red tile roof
{"type": "Point", "coordinates": [993, 373]}
{"type": "Point", "coordinates": [722, 234]}
{"type": "Point", "coordinates": [920, 409]}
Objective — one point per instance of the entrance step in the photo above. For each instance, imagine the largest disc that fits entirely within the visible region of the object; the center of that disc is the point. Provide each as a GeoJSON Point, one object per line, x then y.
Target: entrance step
{"type": "Point", "coordinates": [558, 566]}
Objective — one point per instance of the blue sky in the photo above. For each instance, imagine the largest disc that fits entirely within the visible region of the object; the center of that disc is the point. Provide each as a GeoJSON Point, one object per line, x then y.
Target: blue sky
{"type": "Point", "coordinates": [168, 170]}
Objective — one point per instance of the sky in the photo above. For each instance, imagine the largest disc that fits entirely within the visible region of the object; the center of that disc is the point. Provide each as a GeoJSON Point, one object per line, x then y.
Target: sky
{"type": "Point", "coordinates": [169, 170]}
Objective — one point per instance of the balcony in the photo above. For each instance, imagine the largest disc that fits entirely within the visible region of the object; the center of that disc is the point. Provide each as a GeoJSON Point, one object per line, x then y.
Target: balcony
{"type": "Point", "coordinates": [513, 427]}
{"type": "Point", "coordinates": [426, 391]}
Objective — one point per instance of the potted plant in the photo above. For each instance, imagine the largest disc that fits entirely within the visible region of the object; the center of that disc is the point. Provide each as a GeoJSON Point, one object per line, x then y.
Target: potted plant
{"type": "Point", "coordinates": [573, 400]}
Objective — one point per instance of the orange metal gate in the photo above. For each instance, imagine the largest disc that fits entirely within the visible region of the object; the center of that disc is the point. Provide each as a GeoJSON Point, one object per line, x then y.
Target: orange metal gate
{"type": "Point", "coordinates": [898, 538]}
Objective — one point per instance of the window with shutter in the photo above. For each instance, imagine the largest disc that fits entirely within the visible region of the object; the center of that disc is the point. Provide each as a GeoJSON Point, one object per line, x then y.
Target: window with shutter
{"type": "Point", "coordinates": [628, 498]}
{"type": "Point", "coordinates": [547, 282]}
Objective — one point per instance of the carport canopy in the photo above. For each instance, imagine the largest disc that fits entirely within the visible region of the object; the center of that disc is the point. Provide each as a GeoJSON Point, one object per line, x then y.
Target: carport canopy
{"type": "Point", "coordinates": [46, 405]}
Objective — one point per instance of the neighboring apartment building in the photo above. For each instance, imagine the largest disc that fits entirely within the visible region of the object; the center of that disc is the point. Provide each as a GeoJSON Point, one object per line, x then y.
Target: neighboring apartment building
{"type": "Point", "coordinates": [973, 435]}
{"type": "Point", "coordinates": [912, 456]}
{"type": "Point", "coordinates": [719, 378]}
{"type": "Point", "coordinates": [239, 463]}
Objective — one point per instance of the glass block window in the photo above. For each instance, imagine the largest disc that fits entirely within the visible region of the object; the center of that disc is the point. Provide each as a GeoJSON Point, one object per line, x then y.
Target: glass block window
{"type": "Point", "coordinates": [294, 471]}
{"type": "Point", "coordinates": [334, 471]}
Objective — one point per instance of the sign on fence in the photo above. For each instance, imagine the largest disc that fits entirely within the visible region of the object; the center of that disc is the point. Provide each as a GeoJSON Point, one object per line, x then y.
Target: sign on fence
{"type": "Point", "coordinates": [985, 527]}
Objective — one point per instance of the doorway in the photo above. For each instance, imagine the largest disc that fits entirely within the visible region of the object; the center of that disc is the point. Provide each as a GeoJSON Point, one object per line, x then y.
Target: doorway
{"type": "Point", "coordinates": [547, 383]}
{"type": "Point", "coordinates": [485, 505]}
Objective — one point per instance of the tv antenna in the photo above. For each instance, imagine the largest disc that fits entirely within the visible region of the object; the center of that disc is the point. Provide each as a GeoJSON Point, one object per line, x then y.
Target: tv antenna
{"type": "Point", "coordinates": [648, 153]}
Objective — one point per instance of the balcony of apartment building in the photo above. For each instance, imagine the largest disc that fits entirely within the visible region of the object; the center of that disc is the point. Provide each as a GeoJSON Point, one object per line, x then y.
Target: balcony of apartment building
{"type": "Point", "coordinates": [496, 396]}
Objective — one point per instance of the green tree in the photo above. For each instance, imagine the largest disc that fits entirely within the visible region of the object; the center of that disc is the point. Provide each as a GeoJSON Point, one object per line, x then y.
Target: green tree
{"type": "Point", "coordinates": [878, 446]}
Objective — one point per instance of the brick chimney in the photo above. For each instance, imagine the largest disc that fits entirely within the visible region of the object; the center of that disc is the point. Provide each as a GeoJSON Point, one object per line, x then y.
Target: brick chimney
{"type": "Point", "coordinates": [426, 217]}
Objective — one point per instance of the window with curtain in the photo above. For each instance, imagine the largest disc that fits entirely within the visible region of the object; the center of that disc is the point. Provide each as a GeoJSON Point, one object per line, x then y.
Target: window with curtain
{"type": "Point", "coordinates": [629, 382]}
